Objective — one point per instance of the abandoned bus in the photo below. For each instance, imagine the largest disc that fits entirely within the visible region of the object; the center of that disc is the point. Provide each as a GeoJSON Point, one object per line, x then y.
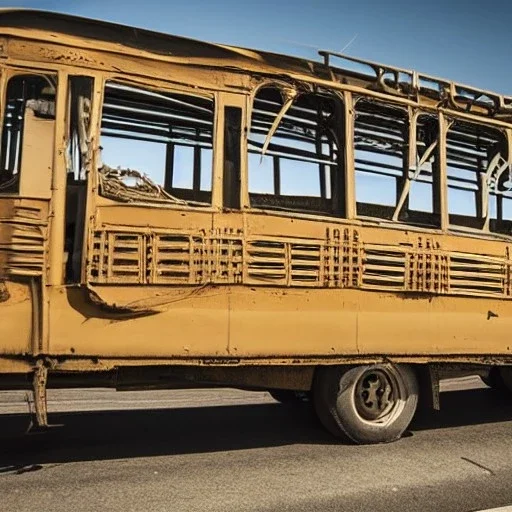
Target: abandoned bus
{"type": "Point", "coordinates": [180, 213]}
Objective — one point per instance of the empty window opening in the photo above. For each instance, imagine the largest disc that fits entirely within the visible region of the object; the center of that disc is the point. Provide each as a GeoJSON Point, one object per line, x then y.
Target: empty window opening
{"type": "Point", "coordinates": [28, 133]}
{"type": "Point", "coordinates": [478, 177]}
{"type": "Point", "coordinates": [80, 94]}
{"type": "Point", "coordinates": [380, 151]}
{"type": "Point", "coordinates": [157, 145]}
{"type": "Point", "coordinates": [78, 160]}
{"type": "Point", "coordinates": [294, 152]}
{"type": "Point", "coordinates": [418, 194]}
{"type": "Point", "coordinates": [232, 134]}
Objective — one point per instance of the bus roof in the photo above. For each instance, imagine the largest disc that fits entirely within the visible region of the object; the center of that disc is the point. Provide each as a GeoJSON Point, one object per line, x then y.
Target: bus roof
{"type": "Point", "coordinates": [378, 77]}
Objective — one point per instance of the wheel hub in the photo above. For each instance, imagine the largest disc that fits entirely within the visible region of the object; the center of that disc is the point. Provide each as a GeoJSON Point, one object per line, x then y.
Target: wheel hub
{"type": "Point", "coordinates": [374, 396]}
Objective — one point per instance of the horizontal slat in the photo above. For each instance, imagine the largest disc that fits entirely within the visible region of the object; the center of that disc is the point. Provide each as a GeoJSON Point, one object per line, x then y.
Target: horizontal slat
{"type": "Point", "coordinates": [305, 273]}
{"type": "Point", "coordinates": [266, 272]}
{"type": "Point", "coordinates": [126, 245]}
{"type": "Point", "coordinates": [372, 277]}
{"type": "Point", "coordinates": [126, 256]}
{"type": "Point", "coordinates": [24, 272]}
{"type": "Point", "coordinates": [266, 250]}
{"type": "Point", "coordinates": [474, 259]}
{"type": "Point", "coordinates": [376, 257]}
{"type": "Point", "coordinates": [491, 266]}
{"type": "Point", "coordinates": [381, 268]}
{"type": "Point", "coordinates": [168, 246]}
{"type": "Point", "coordinates": [477, 274]}
{"type": "Point", "coordinates": [265, 261]}
{"type": "Point", "coordinates": [116, 269]}
{"type": "Point", "coordinates": [309, 254]}
{"type": "Point", "coordinates": [468, 283]}
{"type": "Point", "coordinates": [161, 258]}
{"type": "Point", "coordinates": [173, 268]}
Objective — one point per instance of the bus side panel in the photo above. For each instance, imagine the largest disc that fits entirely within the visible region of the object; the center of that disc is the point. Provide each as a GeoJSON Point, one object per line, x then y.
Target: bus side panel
{"type": "Point", "coordinates": [299, 323]}
{"type": "Point", "coordinates": [435, 325]}
{"type": "Point", "coordinates": [227, 321]}
{"type": "Point", "coordinates": [15, 317]}
{"type": "Point", "coordinates": [292, 322]}
{"type": "Point", "coordinates": [179, 322]}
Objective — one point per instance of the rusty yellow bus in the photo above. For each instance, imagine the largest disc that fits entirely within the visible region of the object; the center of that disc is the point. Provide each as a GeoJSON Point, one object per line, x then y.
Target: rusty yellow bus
{"type": "Point", "coordinates": [181, 213]}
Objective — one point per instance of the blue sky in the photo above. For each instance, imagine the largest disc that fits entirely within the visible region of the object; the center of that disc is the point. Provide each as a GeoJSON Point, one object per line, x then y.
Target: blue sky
{"type": "Point", "coordinates": [470, 42]}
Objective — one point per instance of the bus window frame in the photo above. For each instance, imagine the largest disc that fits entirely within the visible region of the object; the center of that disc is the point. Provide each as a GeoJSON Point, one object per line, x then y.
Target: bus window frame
{"type": "Point", "coordinates": [10, 71]}
{"type": "Point", "coordinates": [156, 85]}
{"type": "Point", "coordinates": [300, 88]}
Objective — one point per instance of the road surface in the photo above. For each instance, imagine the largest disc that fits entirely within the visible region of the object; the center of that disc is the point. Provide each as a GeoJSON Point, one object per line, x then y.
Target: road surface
{"type": "Point", "coordinates": [227, 450]}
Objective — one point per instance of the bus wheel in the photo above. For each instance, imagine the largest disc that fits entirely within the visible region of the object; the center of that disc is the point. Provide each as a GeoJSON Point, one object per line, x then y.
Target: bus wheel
{"type": "Point", "coordinates": [366, 404]}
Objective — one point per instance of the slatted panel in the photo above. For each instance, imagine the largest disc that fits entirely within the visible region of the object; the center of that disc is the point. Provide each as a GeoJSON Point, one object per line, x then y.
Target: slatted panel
{"type": "Point", "coordinates": [427, 268]}
{"type": "Point", "coordinates": [118, 258]}
{"type": "Point", "coordinates": [175, 259]}
{"type": "Point", "coordinates": [341, 260]}
{"type": "Point", "coordinates": [222, 258]}
{"type": "Point", "coordinates": [304, 263]}
{"type": "Point", "coordinates": [383, 267]}
{"type": "Point", "coordinates": [266, 261]}
{"type": "Point", "coordinates": [288, 263]}
{"type": "Point", "coordinates": [22, 238]}
{"type": "Point", "coordinates": [352, 251]}
{"type": "Point", "coordinates": [477, 275]}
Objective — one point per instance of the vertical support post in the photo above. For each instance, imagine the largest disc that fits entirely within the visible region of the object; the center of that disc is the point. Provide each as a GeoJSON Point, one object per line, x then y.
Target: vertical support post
{"type": "Point", "coordinates": [169, 163]}
{"type": "Point", "coordinates": [58, 200]}
{"type": "Point", "coordinates": [337, 173]}
{"type": "Point", "coordinates": [92, 172]}
{"type": "Point", "coordinates": [442, 189]}
{"type": "Point", "coordinates": [3, 111]}
{"type": "Point", "coordinates": [350, 189]}
{"type": "Point", "coordinates": [196, 186]}
{"type": "Point", "coordinates": [277, 176]}
{"type": "Point", "coordinates": [318, 148]}
{"type": "Point", "coordinates": [218, 153]}
{"type": "Point", "coordinates": [409, 125]}
{"type": "Point", "coordinates": [499, 197]}
{"type": "Point", "coordinates": [39, 390]}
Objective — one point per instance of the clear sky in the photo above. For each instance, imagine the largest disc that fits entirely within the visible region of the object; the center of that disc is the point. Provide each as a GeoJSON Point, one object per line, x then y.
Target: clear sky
{"type": "Point", "coordinates": [469, 42]}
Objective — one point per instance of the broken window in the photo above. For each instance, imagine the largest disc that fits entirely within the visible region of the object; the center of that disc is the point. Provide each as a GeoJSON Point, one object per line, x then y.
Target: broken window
{"type": "Point", "coordinates": [156, 146]}
{"type": "Point", "coordinates": [478, 177]}
{"type": "Point", "coordinates": [418, 192]}
{"type": "Point", "coordinates": [381, 157]}
{"type": "Point", "coordinates": [294, 152]}
{"type": "Point", "coordinates": [80, 94]}
{"type": "Point", "coordinates": [78, 159]}
{"type": "Point", "coordinates": [28, 133]}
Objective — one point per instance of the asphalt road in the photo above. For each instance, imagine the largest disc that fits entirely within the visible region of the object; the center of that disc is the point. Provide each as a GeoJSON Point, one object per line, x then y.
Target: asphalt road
{"type": "Point", "coordinates": [228, 450]}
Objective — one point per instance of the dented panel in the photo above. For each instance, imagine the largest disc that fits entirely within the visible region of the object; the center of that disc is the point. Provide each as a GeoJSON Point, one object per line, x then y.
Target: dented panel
{"type": "Point", "coordinates": [23, 237]}
{"type": "Point", "coordinates": [16, 317]}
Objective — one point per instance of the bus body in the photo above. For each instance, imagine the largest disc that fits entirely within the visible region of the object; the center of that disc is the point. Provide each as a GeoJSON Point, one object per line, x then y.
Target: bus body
{"type": "Point", "coordinates": [174, 211]}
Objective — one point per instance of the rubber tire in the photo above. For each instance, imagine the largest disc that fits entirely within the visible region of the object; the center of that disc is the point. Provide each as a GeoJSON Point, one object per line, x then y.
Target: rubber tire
{"type": "Point", "coordinates": [333, 396]}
